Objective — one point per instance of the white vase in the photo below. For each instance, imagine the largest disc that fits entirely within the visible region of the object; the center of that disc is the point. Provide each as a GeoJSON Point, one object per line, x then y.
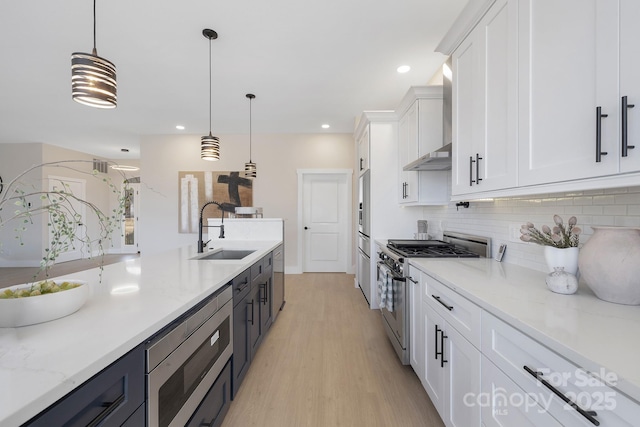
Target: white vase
{"type": "Point", "coordinates": [609, 264]}
{"type": "Point", "coordinates": [566, 258]}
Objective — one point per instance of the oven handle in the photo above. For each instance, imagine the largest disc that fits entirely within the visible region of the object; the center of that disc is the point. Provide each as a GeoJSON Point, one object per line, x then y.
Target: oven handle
{"type": "Point", "coordinates": [393, 274]}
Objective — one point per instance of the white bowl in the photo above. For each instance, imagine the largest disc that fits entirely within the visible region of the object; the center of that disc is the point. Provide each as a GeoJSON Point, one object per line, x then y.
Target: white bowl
{"type": "Point", "coordinates": [25, 311]}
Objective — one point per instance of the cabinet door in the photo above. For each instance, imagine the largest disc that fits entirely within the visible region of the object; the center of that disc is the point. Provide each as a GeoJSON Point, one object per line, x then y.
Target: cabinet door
{"type": "Point", "coordinates": [408, 151]}
{"type": "Point", "coordinates": [433, 379]}
{"type": "Point", "coordinates": [462, 380]}
{"type": "Point", "coordinates": [241, 344]}
{"type": "Point", "coordinates": [629, 82]}
{"type": "Point", "coordinates": [564, 61]}
{"type": "Point", "coordinates": [416, 327]}
{"type": "Point", "coordinates": [485, 104]}
{"type": "Point", "coordinates": [363, 151]}
{"type": "Point", "coordinates": [504, 404]}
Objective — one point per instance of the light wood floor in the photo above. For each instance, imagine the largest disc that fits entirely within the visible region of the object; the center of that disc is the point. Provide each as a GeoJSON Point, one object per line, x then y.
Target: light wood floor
{"type": "Point", "coordinates": [328, 362]}
{"type": "Point", "coordinates": [17, 275]}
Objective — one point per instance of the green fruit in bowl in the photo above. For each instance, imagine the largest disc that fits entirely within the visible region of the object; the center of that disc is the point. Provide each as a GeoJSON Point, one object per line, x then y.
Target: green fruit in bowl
{"type": "Point", "coordinates": [40, 288]}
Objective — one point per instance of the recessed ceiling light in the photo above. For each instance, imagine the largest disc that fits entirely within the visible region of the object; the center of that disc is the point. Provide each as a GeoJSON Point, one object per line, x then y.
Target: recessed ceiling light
{"type": "Point", "coordinates": [403, 68]}
{"type": "Point", "coordinates": [179, 127]}
{"type": "Point", "coordinates": [124, 168]}
{"type": "Point", "coordinates": [325, 126]}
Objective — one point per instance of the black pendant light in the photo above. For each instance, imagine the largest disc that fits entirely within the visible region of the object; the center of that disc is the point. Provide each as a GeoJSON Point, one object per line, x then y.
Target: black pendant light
{"type": "Point", "coordinates": [93, 79]}
{"type": "Point", "coordinates": [250, 168]}
{"type": "Point", "coordinates": [209, 144]}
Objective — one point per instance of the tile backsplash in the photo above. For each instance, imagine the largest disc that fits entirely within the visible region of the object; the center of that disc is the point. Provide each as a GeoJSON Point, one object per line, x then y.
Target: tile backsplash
{"type": "Point", "coordinates": [496, 218]}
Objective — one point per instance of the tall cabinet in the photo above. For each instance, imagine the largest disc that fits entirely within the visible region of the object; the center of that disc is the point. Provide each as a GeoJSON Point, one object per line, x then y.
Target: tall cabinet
{"type": "Point", "coordinates": [378, 130]}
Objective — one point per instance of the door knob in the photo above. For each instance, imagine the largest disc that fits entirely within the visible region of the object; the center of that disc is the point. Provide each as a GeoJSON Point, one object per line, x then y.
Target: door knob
{"type": "Point", "coordinates": [306, 228]}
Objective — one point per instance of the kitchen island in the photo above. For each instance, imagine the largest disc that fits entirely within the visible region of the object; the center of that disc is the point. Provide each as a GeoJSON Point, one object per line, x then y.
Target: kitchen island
{"type": "Point", "coordinates": [128, 303]}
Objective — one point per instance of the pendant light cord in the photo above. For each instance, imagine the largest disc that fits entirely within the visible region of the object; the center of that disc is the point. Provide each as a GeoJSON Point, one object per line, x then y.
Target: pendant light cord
{"type": "Point", "coordinates": [250, 99]}
{"type": "Point", "coordinates": [210, 84]}
{"type": "Point", "coordinates": [94, 28]}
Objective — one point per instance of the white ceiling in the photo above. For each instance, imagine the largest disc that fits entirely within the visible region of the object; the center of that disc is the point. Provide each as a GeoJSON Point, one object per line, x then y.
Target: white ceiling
{"type": "Point", "coordinates": [307, 62]}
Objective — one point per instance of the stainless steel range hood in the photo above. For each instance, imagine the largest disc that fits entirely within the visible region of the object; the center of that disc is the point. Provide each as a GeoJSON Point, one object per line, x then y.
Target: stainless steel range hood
{"type": "Point", "coordinates": [439, 160]}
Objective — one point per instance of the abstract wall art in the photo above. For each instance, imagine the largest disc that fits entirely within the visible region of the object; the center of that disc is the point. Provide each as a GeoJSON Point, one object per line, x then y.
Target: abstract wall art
{"type": "Point", "coordinates": [195, 188]}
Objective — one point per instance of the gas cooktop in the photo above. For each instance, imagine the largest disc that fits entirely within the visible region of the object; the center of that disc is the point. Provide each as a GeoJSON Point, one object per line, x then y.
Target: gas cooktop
{"type": "Point", "coordinates": [429, 249]}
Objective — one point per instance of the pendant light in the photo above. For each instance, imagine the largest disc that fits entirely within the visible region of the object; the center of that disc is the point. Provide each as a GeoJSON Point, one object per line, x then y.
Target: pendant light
{"type": "Point", "coordinates": [250, 169]}
{"type": "Point", "coordinates": [209, 144]}
{"type": "Point", "coordinates": [93, 79]}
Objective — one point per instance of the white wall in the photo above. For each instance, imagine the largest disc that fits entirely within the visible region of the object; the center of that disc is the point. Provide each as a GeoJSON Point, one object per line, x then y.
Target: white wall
{"type": "Point", "coordinates": [275, 188]}
{"type": "Point", "coordinates": [15, 159]}
{"type": "Point", "coordinates": [619, 206]}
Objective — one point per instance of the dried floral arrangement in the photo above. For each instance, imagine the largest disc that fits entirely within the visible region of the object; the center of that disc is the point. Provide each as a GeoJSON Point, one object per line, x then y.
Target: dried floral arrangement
{"type": "Point", "coordinates": [560, 236]}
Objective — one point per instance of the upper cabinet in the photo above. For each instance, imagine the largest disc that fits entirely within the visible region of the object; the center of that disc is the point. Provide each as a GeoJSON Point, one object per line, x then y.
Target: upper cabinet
{"type": "Point", "coordinates": [544, 97]}
{"type": "Point", "coordinates": [363, 151]}
{"type": "Point", "coordinates": [485, 104]}
{"type": "Point", "coordinates": [419, 133]}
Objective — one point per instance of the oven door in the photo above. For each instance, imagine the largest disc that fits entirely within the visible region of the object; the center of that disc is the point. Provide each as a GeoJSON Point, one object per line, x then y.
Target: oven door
{"type": "Point", "coordinates": [178, 384]}
{"type": "Point", "coordinates": [396, 321]}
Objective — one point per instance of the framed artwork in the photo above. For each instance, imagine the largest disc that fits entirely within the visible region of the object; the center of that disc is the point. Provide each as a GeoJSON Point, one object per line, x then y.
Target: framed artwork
{"type": "Point", "coordinates": [195, 188]}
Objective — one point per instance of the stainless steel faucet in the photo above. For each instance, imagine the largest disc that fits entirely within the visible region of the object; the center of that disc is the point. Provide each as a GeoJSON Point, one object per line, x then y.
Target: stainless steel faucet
{"type": "Point", "coordinates": [201, 244]}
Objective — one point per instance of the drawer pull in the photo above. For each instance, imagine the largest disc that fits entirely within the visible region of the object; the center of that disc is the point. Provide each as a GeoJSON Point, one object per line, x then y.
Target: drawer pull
{"type": "Point", "coordinates": [437, 298]}
{"type": "Point", "coordinates": [587, 414]}
{"type": "Point", "coordinates": [411, 280]}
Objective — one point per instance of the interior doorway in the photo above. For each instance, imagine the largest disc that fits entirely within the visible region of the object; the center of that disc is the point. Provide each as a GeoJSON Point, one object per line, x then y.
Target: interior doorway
{"type": "Point", "coordinates": [324, 219]}
{"type": "Point", "coordinates": [77, 187]}
{"type": "Point", "coordinates": [130, 217]}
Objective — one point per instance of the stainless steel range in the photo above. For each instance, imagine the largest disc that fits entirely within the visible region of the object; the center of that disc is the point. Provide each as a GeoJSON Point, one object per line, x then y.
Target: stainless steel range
{"type": "Point", "coordinates": [393, 269]}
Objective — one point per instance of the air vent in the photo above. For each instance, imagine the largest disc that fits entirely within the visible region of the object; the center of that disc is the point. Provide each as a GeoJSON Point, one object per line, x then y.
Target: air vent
{"type": "Point", "coordinates": [100, 165]}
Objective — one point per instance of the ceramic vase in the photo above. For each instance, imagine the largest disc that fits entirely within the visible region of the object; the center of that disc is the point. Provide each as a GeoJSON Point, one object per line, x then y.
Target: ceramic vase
{"type": "Point", "coordinates": [562, 282]}
{"type": "Point", "coordinates": [566, 258]}
{"type": "Point", "coordinates": [609, 264]}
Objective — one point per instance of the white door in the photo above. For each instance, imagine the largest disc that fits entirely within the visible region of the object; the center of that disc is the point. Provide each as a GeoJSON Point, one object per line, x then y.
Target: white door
{"type": "Point", "coordinates": [75, 247]}
{"type": "Point", "coordinates": [130, 218]}
{"type": "Point", "coordinates": [326, 208]}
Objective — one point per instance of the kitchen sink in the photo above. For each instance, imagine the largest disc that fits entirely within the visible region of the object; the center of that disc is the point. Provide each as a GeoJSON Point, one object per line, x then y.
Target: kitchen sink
{"type": "Point", "coordinates": [227, 254]}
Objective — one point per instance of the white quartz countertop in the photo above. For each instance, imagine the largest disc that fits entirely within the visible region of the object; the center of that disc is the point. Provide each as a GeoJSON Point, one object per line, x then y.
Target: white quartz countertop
{"type": "Point", "coordinates": [592, 333]}
{"type": "Point", "coordinates": [40, 364]}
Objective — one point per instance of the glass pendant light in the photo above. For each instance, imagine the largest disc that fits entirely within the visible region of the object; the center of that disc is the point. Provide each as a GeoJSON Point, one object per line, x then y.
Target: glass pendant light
{"type": "Point", "coordinates": [250, 168]}
{"type": "Point", "coordinates": [209, 144]}
{"type": "Point", "coordinates": [93, 79]}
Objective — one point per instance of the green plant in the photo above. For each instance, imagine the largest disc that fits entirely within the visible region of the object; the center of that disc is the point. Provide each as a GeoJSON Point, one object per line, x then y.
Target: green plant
{"type": "Point", "coordinates": [63, 220]}
{"type": "Point", "coordinates": [560, 236]}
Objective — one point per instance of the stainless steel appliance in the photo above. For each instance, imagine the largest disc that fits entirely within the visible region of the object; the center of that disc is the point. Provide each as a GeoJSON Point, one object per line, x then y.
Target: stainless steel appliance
{"type": "Point", "coordinates": [184, 360]}
{"type": "Point", "coordinates": [393, 260]}
{"type": "Point", "coordinates": [364, 242]}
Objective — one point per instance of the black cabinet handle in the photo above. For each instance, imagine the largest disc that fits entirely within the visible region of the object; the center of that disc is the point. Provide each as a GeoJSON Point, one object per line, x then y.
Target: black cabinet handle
{"type": "Point", "coordinates": [436, 342]}
{"type": "Point", "coordinates": [478, 158]}
{"type": "Point", "coordinates": [263, 300]}
{"type": "Point", "coordinates": [251, 312]}
{"type": "Point", "coordinates": [109, 408]}
{"type": "Point", "coordinates": [587, 414]}
{"type": "Point", "coordinates": [409, 278]}
{"type": "Point", "coordinates": [471, 162]}
{"type": "Point", "coordinates": [442, 338]}
{"type": "Point", "coordinates": [599, 117]}
{"type": "Point", "coordinates": [625, 134]}
{"type": "Point", "coordinates": [437, 298]}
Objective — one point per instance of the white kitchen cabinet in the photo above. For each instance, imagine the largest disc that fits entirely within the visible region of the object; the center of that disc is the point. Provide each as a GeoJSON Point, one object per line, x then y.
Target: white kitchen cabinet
{"type": "Point", "coordinates": [485, 104]}
{"type": "Point", "coordinates": [452, 362]}
{"type": "Point", "coordinates": [504, 404]}
{"type": "Point", "coordinates": [528, 363]}
{"type": "Point", "coordinates": [567, 62]}
{"type": "Point", "coordinates": [416, 324]}
{"type": "Point", "coordinates": [419, 133]}
{"type": "Point", "coordinates": [363, 151]}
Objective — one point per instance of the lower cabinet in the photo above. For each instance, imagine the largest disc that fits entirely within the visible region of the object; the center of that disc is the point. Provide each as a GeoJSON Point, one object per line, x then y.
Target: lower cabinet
{"type": "Point", "coordinates": [452, 371]}
{"type": "Point", "coordinates": [114, 397]}
{"type": "Point", "coordinates": [216, 402]}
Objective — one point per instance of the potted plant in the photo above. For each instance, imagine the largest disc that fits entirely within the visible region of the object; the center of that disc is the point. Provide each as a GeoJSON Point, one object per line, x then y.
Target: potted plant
{"type": "Point", "coordinates": [560, 242]}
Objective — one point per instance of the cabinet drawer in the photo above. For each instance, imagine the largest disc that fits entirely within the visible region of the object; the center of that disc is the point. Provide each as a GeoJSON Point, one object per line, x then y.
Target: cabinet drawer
{"type": "Point", "coordinates": [456, 310]}
{"type": "Point", "coordinates": [241, 286]}
{"type": "Point", "coordinates": [521, 357]}
{"type": "Point", "coordinates": [504, 404]}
